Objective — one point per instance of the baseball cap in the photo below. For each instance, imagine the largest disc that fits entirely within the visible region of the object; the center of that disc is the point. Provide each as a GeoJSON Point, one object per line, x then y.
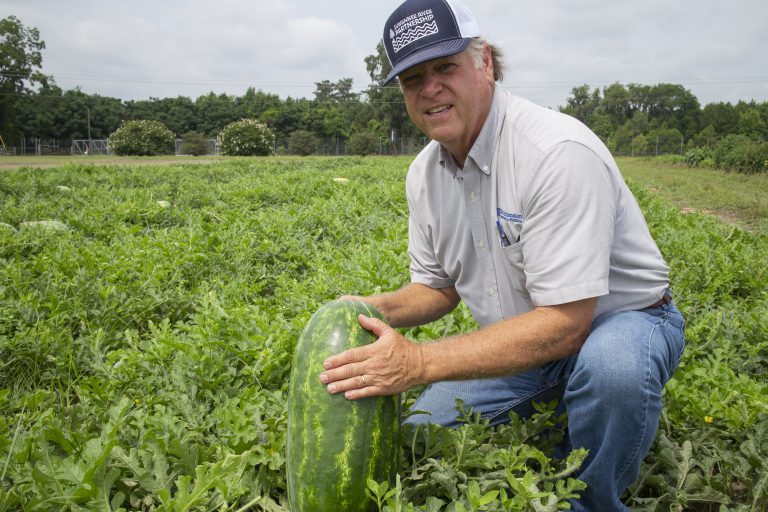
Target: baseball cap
{"type": "Point", "coordinates": [422, 30]}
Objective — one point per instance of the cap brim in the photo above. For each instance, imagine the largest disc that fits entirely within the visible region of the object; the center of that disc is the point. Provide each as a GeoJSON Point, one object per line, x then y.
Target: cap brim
{"type": "Point", "coordinates": [435, 51]}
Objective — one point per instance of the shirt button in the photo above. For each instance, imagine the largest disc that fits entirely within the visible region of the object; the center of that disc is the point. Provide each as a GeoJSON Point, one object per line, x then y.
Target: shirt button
{"type": "Point", "coordinates": [472, 196]}
{"type": "Point", "coordinates": [492, 292]}
{"type": "Point", "coordinates": [481, 244]}
{"type": "Point", "coordinates": [485, 168]}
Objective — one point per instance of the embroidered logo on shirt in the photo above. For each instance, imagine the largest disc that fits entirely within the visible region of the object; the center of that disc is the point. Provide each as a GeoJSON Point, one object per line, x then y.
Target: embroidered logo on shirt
{"type": "Point", "coordinates": [517, 218]}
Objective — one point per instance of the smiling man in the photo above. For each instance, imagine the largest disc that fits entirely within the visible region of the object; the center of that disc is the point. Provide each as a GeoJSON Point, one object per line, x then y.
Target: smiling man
{"type": "Point", "coordinates": [521, 213]}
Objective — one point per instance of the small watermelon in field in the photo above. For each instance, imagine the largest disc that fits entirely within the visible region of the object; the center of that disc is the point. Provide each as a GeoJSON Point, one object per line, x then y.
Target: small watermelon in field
{"type": "Point", "coordinates": [334, 445]}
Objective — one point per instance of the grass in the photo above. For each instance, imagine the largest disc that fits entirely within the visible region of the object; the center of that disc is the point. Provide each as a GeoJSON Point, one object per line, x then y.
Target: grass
{"type": "Point", "coordinates": [13, 162]}
{"type": "Point", "coordinates": [736, 198]}
{"type": "Point", "coordinates": [144, 353]}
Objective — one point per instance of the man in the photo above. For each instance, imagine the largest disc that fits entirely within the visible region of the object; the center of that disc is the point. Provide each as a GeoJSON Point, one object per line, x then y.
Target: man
{"type": "Point", "coordinates": [520, 212]}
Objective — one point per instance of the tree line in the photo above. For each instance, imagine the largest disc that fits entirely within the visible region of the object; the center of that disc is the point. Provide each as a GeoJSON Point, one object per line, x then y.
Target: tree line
{"type": "Point", "coordinates": [632, 119]}
{"type": "Point", "coordinates": [662, 118]}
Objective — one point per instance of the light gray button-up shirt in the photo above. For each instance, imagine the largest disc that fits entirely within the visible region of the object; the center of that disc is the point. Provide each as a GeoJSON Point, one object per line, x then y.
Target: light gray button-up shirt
{"type": "Point", "coordinates": [539, 215]}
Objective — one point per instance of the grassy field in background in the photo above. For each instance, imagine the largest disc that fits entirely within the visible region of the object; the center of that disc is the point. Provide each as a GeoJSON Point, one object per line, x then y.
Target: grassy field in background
{"type": "Point", "coordinates": [738, 199]}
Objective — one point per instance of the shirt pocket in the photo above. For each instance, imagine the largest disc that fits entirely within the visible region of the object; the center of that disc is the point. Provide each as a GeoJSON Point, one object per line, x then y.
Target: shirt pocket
{"type": "Point", "coordinates": [515, 268]}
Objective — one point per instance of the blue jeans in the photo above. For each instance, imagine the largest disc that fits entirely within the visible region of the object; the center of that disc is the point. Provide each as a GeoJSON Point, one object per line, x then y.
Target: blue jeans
{"type": "Point", "coordinates": [611, 390]}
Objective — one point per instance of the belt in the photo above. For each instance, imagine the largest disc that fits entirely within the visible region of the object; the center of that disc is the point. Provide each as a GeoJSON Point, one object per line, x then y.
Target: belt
{"type": "Point", "coordinates": [666, 298]}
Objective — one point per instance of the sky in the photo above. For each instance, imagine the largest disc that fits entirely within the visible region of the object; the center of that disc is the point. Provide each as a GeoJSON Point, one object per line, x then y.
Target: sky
{"type": "Point", "coordinates": [142, 49]}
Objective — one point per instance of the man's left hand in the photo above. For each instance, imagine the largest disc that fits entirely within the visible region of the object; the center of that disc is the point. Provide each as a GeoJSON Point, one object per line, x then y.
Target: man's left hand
{"type": "Point", "coordinates": [388, 366]}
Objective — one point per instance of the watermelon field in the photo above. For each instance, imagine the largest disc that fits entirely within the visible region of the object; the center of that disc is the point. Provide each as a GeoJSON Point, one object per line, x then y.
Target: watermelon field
{"type": "Point", "coordinates": [149, 315]}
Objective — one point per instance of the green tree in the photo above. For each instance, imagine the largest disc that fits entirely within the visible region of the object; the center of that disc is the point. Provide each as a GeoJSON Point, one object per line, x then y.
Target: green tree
{"type": "Point", "coordinates": [675, 106]}
{"type": "Point", "coordinates": [387, 101]}
{"type": "Point", "coordinates": [639, 145]}
{"type": "Point", "coordinates": [665, 140]}
{"type": "Point", "coordinates": [178, 114]}
{"type": "Point", "coordinates": [722, 116]}
{"type": "Point", "coordinates": [194, 143]}
{"type": "Point", "coordinates": [706, 137]}
{"type": "Point", "coordinates": [336, 112]}
{"type": "Point", "coordinates": [640, 122]}
{"type": "Point", "coordinates": [21, 64]}
{"type": "Point", "coordinates": [302, 142]}
{"type": "Point", "coordinates": [752, 125]}
{"type": "Point", "coordinates": [215, 112]}
{"type": "Point", "coordinates": [363, 144]}
{"type": "Point", "coordinates": [581, 103]}
{"type": "Point", "coordinates": [601, 125]}
{"type": "Point", "coordinates": [616, 104]}
{"type": "Point", "coordinates": [622, 139]}
{"type": "Point", "coordinates": [51, 113]}
{"type": "Point", "coordinates": [291, 115]}
{"type": "Point", "coordinates": [254, 103]}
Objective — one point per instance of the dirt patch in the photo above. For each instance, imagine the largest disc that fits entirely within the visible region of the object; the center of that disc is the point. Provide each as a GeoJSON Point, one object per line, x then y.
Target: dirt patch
{"type": "Point", "coordinates": [730, 217]}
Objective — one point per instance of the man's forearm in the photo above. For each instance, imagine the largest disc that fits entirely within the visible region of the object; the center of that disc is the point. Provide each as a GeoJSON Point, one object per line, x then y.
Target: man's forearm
{"type": "Point", "coordinates": [414, 304]}
{"type": "Point", "coordinates": [510, 346]}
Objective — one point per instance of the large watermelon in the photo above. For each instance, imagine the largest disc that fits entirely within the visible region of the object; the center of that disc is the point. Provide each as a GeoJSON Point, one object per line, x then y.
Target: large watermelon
{"type": "Point", "coordinates": [335, 445]}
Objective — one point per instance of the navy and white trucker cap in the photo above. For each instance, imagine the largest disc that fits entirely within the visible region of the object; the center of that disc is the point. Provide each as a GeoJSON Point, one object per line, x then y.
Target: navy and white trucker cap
{"type": "Point", "coordinates": [422, 30]}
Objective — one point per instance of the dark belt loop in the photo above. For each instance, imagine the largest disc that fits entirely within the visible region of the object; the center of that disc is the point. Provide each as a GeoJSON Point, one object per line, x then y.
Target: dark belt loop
{"type": "Point", "coordinates": [665, 299]}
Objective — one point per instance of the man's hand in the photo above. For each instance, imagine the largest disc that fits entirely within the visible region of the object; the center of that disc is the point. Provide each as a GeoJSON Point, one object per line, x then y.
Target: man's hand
{"type": "Point", "coordinates": [390, 365]}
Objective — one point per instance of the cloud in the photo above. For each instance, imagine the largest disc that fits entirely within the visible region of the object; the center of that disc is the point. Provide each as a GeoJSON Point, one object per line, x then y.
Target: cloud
{"type": "Point", "coordinates": [141, 48]}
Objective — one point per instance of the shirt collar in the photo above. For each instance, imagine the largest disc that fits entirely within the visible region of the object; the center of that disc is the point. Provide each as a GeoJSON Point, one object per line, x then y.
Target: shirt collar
{"type": "Point", "coordinates": [481, 152]}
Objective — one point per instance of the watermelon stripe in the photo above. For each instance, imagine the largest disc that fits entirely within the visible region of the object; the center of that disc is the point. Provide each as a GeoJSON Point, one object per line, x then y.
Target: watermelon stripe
{"type": "Point", "coordinates": [335, 445]}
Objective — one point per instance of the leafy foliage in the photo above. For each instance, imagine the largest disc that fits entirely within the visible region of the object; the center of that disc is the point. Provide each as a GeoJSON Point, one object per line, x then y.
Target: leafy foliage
{"type": "Point", "coordinates": [194, 143]}
{"type": "Point", "coordinates": [144, 352]}
{"type": "Point", "coordinates": [247, 137]}
{"type": "Point", "coordinates": [302, 142]}
{"type": "Point", "coordinates": [697, 157]}
{"type": "Point", "coordinates": [740, 153]}
{"type": "Point", "coordinates": [142, 138]}
{"type": "Point", "coordinates": [20, 66]}
{"type": "Point", "coordinates": [363, 143]}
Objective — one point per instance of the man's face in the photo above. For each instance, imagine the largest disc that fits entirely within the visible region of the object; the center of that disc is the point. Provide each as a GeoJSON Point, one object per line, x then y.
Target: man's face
{"type": "Point", "coordinates": [449, 99]}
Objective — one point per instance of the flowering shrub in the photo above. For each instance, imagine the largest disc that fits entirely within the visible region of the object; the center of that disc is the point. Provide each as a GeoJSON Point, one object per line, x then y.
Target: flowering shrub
{"type": "Point", "coordinates": [247, 137]}
{"type": "Point", "coordinates": [142, 138]}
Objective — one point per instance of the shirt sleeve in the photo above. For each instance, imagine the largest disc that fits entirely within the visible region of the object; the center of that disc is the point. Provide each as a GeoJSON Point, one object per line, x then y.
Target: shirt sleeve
{"type": "Point", "coordinates": [570, 213]}
{"type": "Point", "coordinates": [425, 268]}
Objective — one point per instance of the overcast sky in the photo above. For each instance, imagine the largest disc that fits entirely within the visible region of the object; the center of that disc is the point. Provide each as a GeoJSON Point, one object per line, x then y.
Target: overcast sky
{"type": "Point", "coordinates": [165, 48]}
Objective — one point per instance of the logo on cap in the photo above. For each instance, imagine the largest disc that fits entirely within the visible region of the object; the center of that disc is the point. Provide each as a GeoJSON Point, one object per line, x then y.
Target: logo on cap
{"type": "Point", "coordinates": [422, 30]}
{"type": "Point", "coordinates": [412, 28]}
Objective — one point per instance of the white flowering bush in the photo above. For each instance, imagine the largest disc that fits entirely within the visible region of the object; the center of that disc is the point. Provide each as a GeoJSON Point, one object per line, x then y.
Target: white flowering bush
{"type": "Point", "coordinates": [247, 137]}
{"type": "Point", "coordinates": [142, 138]}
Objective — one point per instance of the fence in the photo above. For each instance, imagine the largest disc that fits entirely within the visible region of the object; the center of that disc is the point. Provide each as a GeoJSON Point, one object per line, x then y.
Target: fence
{"type": "Point", "coordinates": [101, 147]}
{"type": "Point", "coordinates": [90, 147]}
{"type": "Point", "coordinates": [323, 147]}
{"type": "Point", "coordinates": [37, 147]}
{"type": "Point", "coordinates": [338, 147]}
